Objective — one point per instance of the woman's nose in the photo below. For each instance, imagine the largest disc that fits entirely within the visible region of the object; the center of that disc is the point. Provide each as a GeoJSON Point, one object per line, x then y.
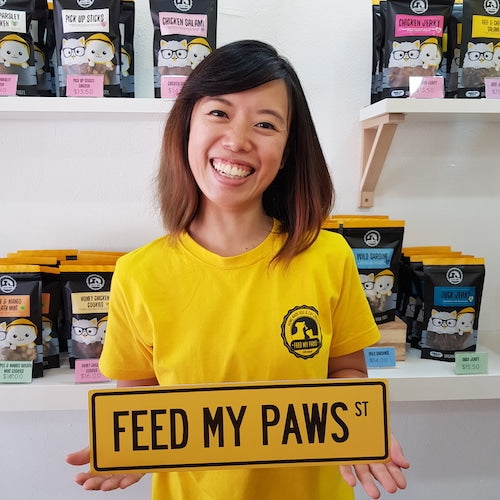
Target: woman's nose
{"type": "Point", "coordinates": [237, 137]}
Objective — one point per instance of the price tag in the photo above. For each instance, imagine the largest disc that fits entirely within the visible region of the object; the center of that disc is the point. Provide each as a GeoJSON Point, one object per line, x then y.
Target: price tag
{"type": "Point", "coordinates": [471, 363]}
{"type": "Point", "coordinates": [85, 86]}
{"type": "Point", "coordinates": [16, 372]}
{"type": "Point", "coordinates": [492, 88]}
{"type": "Point", "coordinates": [87, 371]}
{"type": "Point", "coordinates": [380, 357]}
{"type": "Point", "coordinates": [171, 86]}
{"type": "Point", "coordinates": [8, 84]}
{"type": "Point", "coordinates": [427, 87]}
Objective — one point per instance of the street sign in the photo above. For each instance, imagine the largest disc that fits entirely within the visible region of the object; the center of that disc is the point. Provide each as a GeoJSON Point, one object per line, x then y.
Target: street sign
{"type": "Point", "coordinates": [239, 425]}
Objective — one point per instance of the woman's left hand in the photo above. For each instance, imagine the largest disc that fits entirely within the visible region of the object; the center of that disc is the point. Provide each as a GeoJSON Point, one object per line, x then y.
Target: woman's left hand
{"type": "Point", "coordinates": [389, 475]}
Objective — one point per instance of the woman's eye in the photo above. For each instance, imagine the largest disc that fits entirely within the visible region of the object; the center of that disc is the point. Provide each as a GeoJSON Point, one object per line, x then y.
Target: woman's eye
{"type": "Point", "coordinates": [217, 112]}
{"type": "Point", "coordinates": [266, 125]}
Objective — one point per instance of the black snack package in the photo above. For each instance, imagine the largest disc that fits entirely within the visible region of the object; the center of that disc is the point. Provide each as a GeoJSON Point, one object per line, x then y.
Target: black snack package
{"type": "Point", "coordinates": [21, 315]}
{"type": "Point", "coordinates": [453, 41]}
{"type": "Point", "coordinates": [17, 53]}
{"type": "Point", "coordinates": [413, 42]}
{"type": "Point", "coordinates": [50, 44]}
{"type": "Point", "coordinates": [411, 295]}
{"type": "Point", "coordinates": [377, 244]}
{"type": "Point", "coordinates": [377, 44]}
{"type": "Point", "coordinates": [86, 291]}
{"type": "Point", "coordinates": [38, 32]}
{"type": "Point", "coordinates": [88, 45]}
{"type": "Point", "coordinates": [480, 47]}
{"type": "Point", "coordinates": [51, 311]}
{"type": "Point", "coordinates": [184, 34]}
{"type": "Point", "coordinates": [452, 295]}
{"type": "Point", "coordinates": [127, 22]}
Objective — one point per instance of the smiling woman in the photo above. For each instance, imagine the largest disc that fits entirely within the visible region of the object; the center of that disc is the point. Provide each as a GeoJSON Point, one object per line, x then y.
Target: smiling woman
{"type": "Point", "coordinates": [236, 150]}
{"type": "Point", "coordinates": [245, 286]}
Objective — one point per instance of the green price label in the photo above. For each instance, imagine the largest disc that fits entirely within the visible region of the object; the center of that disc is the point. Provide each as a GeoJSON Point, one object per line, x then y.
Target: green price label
{"type": "Point", "coordinates": [471, 363]}
{"type": "Point", "coordinates": [16, 372]}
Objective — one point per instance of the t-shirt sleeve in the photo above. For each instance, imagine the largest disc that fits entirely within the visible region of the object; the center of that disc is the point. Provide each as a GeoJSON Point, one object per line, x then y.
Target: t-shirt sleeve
{"type": "Point", "coordinates": [127, 354]}
{"type": "Point", "coordinates": [354, 327]}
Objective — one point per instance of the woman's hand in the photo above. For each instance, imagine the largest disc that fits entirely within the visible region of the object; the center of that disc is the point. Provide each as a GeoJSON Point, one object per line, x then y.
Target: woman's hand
{"type": "Point", "coordinates": [103, 482]}
{"type": "Point", "coordinates": [389, 475]}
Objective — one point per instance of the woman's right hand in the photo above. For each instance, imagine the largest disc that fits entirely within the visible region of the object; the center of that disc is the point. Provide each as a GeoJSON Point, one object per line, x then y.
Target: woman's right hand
{"type": "Point", "coordinates": [103, 482]}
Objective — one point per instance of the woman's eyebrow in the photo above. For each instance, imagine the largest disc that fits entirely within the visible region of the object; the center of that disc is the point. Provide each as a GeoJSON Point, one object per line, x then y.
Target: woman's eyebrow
{"type": "Point", "coordinates": [264, 111]}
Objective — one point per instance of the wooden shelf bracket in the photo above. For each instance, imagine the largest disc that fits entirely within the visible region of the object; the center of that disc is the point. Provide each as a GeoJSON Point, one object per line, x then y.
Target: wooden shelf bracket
{"type": "Point", "coordinates": [378, 133]}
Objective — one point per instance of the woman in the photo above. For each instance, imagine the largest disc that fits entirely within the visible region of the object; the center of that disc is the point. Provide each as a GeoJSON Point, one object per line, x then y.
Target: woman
{"type": "Point", "coordinates": [243, 187]}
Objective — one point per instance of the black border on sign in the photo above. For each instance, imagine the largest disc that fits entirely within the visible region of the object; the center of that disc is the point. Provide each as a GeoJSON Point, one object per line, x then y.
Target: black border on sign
{"type": "Point", "coordinates": [207, 465]}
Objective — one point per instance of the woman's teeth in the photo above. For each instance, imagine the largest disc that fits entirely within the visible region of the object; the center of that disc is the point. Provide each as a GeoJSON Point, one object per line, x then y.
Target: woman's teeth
{"type": "Point", "coordinates": [231, 170]}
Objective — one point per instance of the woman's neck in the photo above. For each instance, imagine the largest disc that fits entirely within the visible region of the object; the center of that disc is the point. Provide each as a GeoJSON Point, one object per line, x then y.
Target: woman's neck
{"type": "Point", "coordinates": [228, 234]}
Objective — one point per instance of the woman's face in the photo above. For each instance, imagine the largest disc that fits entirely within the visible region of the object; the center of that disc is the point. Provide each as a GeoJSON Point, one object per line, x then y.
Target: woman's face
{"type": "Point", "coordinates": [236, 144]}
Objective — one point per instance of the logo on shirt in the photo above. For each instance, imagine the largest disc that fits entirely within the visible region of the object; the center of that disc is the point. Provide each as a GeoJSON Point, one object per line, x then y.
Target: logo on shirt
{"type": "Point", "coordinates": [301, 332]}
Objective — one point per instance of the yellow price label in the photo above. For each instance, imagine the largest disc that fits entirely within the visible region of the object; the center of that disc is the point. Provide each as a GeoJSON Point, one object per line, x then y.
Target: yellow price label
{"type": "Point", "coordinates": [239, 425]}
{"type": "Point", "coordinates": [485, 27]}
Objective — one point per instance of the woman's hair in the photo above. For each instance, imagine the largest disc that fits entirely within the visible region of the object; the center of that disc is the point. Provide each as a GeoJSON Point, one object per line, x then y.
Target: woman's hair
{"type": "Point", "coordinates": [300, 196]}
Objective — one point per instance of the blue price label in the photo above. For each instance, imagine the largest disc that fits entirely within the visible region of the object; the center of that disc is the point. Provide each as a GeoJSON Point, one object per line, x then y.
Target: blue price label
{"type": "Point", "coordinates": [380, 357]}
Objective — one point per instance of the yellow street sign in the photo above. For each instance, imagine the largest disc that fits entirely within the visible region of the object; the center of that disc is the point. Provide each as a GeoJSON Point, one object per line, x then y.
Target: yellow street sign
{"type": "Point", "coordinates": [239, 425]}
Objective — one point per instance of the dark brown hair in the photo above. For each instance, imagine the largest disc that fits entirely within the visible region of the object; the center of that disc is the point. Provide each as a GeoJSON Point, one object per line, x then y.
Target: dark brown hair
{"type": "Point", "coordinates": [300, 196]}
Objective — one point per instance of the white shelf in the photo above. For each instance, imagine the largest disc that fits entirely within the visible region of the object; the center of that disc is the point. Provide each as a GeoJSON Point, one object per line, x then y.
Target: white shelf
{"type": "Point", "coordinates": [435, 108]}
{"type": "Point", "coordinates": [381, 119]}
{"type": "Point", "coordinates": [418, 379]}
{"type": "Point", "coordinates": [41, 107]}
{"type": "Point", "coordinates": [411, 380]}
{"type": "Point", "coordinates": [56, 390]}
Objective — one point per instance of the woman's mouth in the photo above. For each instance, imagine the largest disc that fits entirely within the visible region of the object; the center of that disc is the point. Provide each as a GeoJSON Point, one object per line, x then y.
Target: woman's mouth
{"type": "Point", "coordinates": [234, 171]}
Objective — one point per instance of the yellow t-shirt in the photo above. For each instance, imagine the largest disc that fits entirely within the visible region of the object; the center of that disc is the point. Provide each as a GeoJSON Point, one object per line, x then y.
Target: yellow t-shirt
{"type": "Point", "coordinates": [188, 316]}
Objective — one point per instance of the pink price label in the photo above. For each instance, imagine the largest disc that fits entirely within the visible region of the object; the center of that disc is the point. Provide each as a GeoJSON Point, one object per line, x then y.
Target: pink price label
{"type": "Point", "coordinates": [427, 87]}
{"type": "Point", "coordinates": [85, 86]}
{"type": "Point", "coordinates": [8, 85]}
{"type": "Point", "coordinates": [171, 86]}
{"type": "Point", "coordinates": [492, 88]}
{"type": "Point", "coordinates": [418, 26]}
{"type": "Point", "coordinates": [87, 371]}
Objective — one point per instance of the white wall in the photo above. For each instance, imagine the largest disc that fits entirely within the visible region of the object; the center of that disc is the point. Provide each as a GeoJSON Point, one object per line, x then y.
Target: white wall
{"type": "Point", "coordinates": [85, 182]}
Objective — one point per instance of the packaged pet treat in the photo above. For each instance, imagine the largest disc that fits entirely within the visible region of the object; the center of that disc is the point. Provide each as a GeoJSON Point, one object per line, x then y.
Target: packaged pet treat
{"type": "Point", "coordinates": [335, 222]}
{"type": "Point", "coordinates": [50, 45]}
{"type": "Point", "coordinates": [413, 42]}
{"type": "Point", "coordinates": [377, 244]}
{"type": "Point", "coordinates": [377, 44]}
{"type": "Point", "coordinates": [88, 45]}
{"type": "Point", "coordinates": [415, 305]}
{"type": "Point", "coordinates": [17, 54]}
{"type": "Point", "coordinates": [127, 21]}
{"type": "Point", "coordinates": [50, 305]}
{"type": "Point", "coordinates": [480, 47]}
{"type": "Point", "coordinates": [406, 287]}
{"type": "Point", "coordinates": [452, 50]}
{"type": "Point", "coordinates": [59, 254]}
{"type": "Point", "coordinates": [38, 32]}
{"type": "Point", "coordinates": [184, 34]}
{"type": "Point", "coordinates": [452, 294]}
{"type": "Point", "coordinates": [86, 291]}
{"type": "Point", "coordinates": [21, 315]}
